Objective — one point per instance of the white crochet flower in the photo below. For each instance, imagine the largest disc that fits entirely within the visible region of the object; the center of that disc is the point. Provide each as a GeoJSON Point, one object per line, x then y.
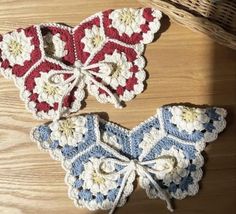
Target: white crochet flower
{"type": "Point", "coordinates": [93, 39]}
{"type": "Point", "coordinates": [96, 182]}
{"type": "Point", "coordinates": [68, 131]}
{"type": "Point", "coordinates": [175, 158]}
{"type": "Point", "coordinates": [16, 48]}
{"type": "Point", "coordinates": [189, 119]}
{"type": "Point", "coordinates": [119, 72]}
{"type": "Point", "coordinates": [47, 91]}
{"type": "Point", "coordinates": [127, 20]}
{"type": "Point", "coordinates": [54, 46]}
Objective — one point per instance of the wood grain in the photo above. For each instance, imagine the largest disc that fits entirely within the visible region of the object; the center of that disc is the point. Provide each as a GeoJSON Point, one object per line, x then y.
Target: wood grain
{"type": "Point", "coordinates": [183, 67]}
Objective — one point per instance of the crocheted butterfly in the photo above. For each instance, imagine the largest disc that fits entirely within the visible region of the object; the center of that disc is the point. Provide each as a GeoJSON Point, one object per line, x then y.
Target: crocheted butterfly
{"type": "Point", "coordinates": [102, 159]}
{"type": "Point", "coordinates": [51, 63]}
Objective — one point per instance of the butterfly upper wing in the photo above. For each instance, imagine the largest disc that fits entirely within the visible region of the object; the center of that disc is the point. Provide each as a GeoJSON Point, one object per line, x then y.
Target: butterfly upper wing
{"type": "Point", "coordinates": [81, 154]}
{"type": "Point", "coordinates": [178, 134]}
{"type": "Point", "coordinates": [58, 42]}
{"type": "Point", "coordinates": [25, 40]}
{"type": "Point", "coordinates": [30, 56]}
{"type": "Point", "coordinates": [144, 23]}
{"type": "Point", "coordinates": [117, 37]}
{"type": "Point", "coordinates": [195, 125]}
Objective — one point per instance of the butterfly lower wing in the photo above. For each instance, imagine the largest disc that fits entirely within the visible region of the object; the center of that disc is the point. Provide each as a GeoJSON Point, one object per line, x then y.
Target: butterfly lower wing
{"type": "Point", "coordinates": [179, 182]}
{"type": "Point", "coordinates": [76, 142]}
{"type": "Point", "coordinates": [90, 189]}
{"type": "Point", "coordinates": [172, 156]}
{"type": "Point", "coordinates": [42, 97]}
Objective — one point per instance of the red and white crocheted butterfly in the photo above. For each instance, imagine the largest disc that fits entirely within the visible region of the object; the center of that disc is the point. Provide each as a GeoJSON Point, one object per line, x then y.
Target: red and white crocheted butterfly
{"type": "Point", "coordinates": [52, 63]}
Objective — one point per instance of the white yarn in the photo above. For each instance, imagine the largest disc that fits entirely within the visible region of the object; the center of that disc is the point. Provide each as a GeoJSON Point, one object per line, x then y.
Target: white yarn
{"type": "Point", "coordinates": [77, 73]}
{"type": "Point", "coordinates": [143, 170]}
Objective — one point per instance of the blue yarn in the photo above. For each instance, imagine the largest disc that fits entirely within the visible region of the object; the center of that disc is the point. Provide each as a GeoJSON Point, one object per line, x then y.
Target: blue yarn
{"type": "Point", "coordinates": [185, 182]}
{"type": "Point", "coordinates": [85, 195]}
{"type": "Point", "coordinates": [44, 132]}
{"type": "Point", "coordinates": [69, 151]}
{"type": "Point", "coordinates": [100, 198]}
{"type": "Point", "coordinates": [211, 113]}
{"type": "Point", "coordinates": [166, 144]}
{"type": "Point", "coordinates": [54, 144]}
{"type": "Point", "coordinates": [192, 167]}
{"type": "Point", "coordinates": [78, 183]}
{"type": "Point", "coordinates": [77, 168]}
{"type": "Point", "coordinates": [172, 187]}
{"type": "Point", "coordinates": [111, 196]}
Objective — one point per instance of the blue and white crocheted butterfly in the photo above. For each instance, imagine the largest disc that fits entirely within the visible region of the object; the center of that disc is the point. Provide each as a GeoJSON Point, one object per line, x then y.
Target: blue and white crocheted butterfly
{"type": "Point", "coordinates": [102, 159]}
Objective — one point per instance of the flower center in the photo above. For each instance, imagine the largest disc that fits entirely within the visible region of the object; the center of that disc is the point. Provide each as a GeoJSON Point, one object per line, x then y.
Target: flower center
{"type": "Point", "coordinates": [96, 40]}
{"type": "Point", "coordinates": [127, 17]}
{"type": "Point", "coordinates": [166, 163]}
{"type": "Point", "coordinates": [116, 70]}
{"type": "Point", "coordinates": [50, 89]}
{"type": "Point", "coordinates": [67, 127]}
{"type": "Point", "coordinates": [15, 48]}
{"type": "Point", "coordinates": [98, 179]}
{"type": "Point", "coordinates": [189, 115]}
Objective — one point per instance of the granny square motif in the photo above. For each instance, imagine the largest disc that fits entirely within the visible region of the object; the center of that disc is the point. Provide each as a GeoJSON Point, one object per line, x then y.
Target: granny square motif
{"type": "Point", "coordinates": [52, 63]}
{"type": "Point", "coordinates": [102, 159]}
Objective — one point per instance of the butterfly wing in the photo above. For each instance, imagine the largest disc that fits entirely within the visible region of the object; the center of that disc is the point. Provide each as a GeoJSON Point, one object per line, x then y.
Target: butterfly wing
{"type": "Point", "coordinates": [29, 56]}
{"type": "Point", "coordinates": [116, 37]}
{"type": "Point", "coordinates": [19, 50]}
{"type": "Point", "coordinates": [173, 140]}
{"type": "Point", "coordinates": [83, 144]}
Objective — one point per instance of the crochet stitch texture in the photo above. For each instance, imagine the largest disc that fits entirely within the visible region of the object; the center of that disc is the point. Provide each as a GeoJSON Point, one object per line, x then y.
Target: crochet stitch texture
{"type": "Point", "coordinates": [52, 63]}
{"type": "Point", "coordinates": [102, 159]}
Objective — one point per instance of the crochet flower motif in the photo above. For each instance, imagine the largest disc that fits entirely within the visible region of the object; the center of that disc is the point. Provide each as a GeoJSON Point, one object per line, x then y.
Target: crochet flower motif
{"type": "Point", "coordinates": [69, 131]}
{"type": "Point", "coordinates": [93, 39]}
{"type": "Point", "coordinates": [94, 181]}
{"type": "Point", "coordinates": [177, 159]}
{"type": "Point", "coordinates": [127, 20]}
{"type": "Point", "coordinates": [120, 71]}
{"type": "Point", "coordinates": [189, 119]}
{"type": "Point", "coordinates": [104, 53]}
{"type": "Point", "coordinates": [47, 91]}
{"type": "Point", "coordinates": [167, 160]}
{"type": "Point", "coordinates": [16, 48]}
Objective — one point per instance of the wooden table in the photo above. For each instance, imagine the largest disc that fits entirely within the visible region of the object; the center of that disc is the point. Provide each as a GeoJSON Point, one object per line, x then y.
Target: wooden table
{"type": "Point", "coordinates": [183, 67]}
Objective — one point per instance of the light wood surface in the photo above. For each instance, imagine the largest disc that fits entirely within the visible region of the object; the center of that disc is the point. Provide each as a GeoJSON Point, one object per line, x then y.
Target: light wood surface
{"type": "Point", "coordinates": [183, 67]}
